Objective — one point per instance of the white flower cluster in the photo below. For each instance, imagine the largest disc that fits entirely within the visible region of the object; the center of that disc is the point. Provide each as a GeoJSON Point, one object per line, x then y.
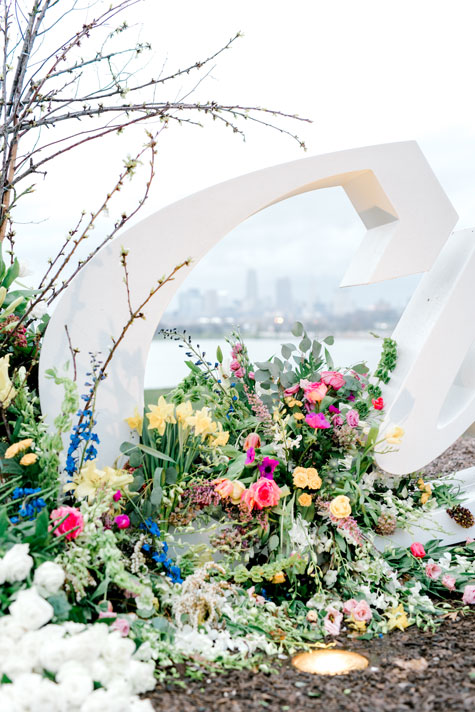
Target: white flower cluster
{"type": "Point", "coordinates": [76, 655]}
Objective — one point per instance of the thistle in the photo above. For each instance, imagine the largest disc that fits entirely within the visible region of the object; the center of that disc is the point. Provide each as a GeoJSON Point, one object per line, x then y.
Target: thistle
{"type": "Point", "coordinates": [386, 525]}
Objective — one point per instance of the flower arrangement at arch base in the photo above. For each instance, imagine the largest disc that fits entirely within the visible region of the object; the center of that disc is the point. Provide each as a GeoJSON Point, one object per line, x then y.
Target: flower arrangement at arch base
{"type": "Point", "coordinates": [240, 527]}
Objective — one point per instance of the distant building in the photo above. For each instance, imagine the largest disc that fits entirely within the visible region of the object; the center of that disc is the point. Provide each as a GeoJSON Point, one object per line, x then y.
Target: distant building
{"type": "Point", "coordinates": [283, 295]}
{"type": "Point", "coordinates": [251, 298]}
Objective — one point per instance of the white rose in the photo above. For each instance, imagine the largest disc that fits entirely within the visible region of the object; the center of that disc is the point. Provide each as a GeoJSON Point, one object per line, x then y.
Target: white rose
{"type": "Point", "coordinates": [117, 651]}
{"type": "Point", "coordinates": [48, 578]}
{"type": "Point", "coordinates": [32, 610]}
{"type": "Point", "coordinates": [25, 689]}
{"type": "Point", "coordinates": [141, 706]}
{"type": "Point", "coordinates": [104, 701]}
{"type": "Point", "coordinates": [17, 563]}
{"type": "Point", "coordinates": [75, 689]}
{"type": "Point", "coordinates": [141, 677]}
{"type": "Point", "coordinates": [52, 655]}
{"type": "Point", "coordinates": [7, 699]}
{"type": "Point", "coordinates": [16, 665]}
{"type": "Point", "coordinates": [11, 628]}
{"type": "Point", "coordinates": [49, 698]}
{"type": "Point", "coordinates": [101, 672]}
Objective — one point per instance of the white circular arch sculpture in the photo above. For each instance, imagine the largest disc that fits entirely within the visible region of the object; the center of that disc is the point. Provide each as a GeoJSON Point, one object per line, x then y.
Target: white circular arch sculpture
{"type": "Point", "coordinates": [408, 218]}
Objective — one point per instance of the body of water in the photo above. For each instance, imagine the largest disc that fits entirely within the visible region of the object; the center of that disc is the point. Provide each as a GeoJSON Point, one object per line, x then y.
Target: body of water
{"type": "Point", "coordinates": [166, 367]}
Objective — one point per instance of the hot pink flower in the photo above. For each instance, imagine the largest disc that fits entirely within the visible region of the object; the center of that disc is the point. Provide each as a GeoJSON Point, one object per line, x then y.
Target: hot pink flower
{"type": "Point", "coordinates": [352, 418]}
{"type": "Point", "coordinates": [264, 493]}
{"type": "Point", "coordinates": [315, 392]}
{"type": "Point", "coordinates": [418, 550]}
{"type": "Point", "coordinates": [333, 379]}
{"type": "Point", "coordinates": [349, 605]}
{"type": "Point", "coordinates": [234, 365]}
{"type": "Point", "coordinates": [362, 612]}
{"type": "Point", "coordinates": [73, 524]}
{"type": "Point", "coordinates": [250, 456]}
{"type": "Point", "coordinates": [378, 403]}
{"type": "Point", "coordinates": [448, 581]}
{"type": "Point", "coordinates": [337, 420]}
{"type": "Point", "coordinates": [332, 621]}
{"type": "Point", "coordinates": [267, 467]}
{"type": "Point", "coordinates": [469, 595]}
{"type": "Point", "coordinates": [317, 421]}
{"type": "Point", "coordinates": [122, 521]}
{"type": "Point", "coordinates": [122, 625]}
{"type": "Point", "coordinates": [117, 496]}
{"type": "Point", "coordinates": [333, 409]}
{"type": "Point", "coordinates": [433, 571]}
{"type": "Point", "coordinates": [292, 390]}
{"type": "Point", "coordinates": [252, 440]}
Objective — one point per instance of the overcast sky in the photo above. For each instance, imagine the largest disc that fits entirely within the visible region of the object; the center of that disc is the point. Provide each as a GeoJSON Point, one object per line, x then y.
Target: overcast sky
{"type": "Point", "coordinates": [365, 72]}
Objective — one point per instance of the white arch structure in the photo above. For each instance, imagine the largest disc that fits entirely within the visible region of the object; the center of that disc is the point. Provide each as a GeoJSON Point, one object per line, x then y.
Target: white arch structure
{"type": "Point", "coordinates": [408, 218]}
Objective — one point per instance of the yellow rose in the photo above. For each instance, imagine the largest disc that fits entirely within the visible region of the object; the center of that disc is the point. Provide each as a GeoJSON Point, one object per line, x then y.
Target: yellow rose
{"type": "Point", "coordinates": [340, 507]}
{"type": "Point", "coordinates": [160, 415]}
{"type": "Point", "coordinates": [314, 480]}
{"type": "Point", "coordinates": [7, 392]}
{"type": "Point", "coordinates": [279, 577]}
{"type": "Point", "coordinates": [183, 411]}
{"type": "Point", "coordinates": [299, 416]}
{"type": "Point", "coordinates": [299, 477]}
{"type": "Point", "coordinates": [426, 495]}
{"type": "Point", "coordinates": [20, 446]}
{"type": "Point", "coordinates": [238, 489]}
{"type": "Point", "coordinates": [394, 436]}
{"type": "Point", "coordinates": [305, 500]}
{"type": "Point", "coordinates": [421, 484]}
{"type": "Point", "coordinates": [136, 421]}
{"type": "Point", "coordinates": [29, 459]}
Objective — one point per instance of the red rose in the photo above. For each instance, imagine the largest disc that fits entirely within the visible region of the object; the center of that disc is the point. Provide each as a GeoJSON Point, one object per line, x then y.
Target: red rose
{"type": "Point", "coordinates": [378, 403]}
{"type": "Point", "coordinates": [418, 550]}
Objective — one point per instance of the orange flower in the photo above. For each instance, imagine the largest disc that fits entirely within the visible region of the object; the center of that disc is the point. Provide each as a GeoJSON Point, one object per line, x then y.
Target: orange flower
{"type": "Point", "coordinates": [279, 577]}
{"type": "Point", "coordinates": [29, 459]}
{"type": "Point", "coordinates": [314, 479]}
{"type": "Point", "coordinates": [305, 500]}
{"type": "Point", "coordinates": [300, 477]}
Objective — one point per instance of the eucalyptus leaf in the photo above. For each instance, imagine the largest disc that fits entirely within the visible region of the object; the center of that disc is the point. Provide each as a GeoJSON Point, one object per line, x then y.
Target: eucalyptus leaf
{"type": "Point", "coordinates": [273, 542]}
{"type": "Point", "coordinates": [171, 476]}
{"type": "Point", "coordinates": [219, 355]}
{"type": "Point", "coordinates": [328, 359]}
{"type": "Point", "coordinates": [305, 344]}
{"type": "Point", "coordinates": [297, 329]}
{"type": "Point", "coordinates": [361, 368]}
{"type": "Point", "coordinates": [330, 340]}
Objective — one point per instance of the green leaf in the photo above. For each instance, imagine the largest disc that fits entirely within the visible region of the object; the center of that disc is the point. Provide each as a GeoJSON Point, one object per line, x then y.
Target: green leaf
{"type": "Point", "coordinates": [157, 492]}
{"type": "Point", "coordinates": [287, 350]}
{"type": "Point", "coordinates": [60, 604]}
{"type": "Point", "coordinates": [273, 542]}
{"type": "Point", "coordinates": [4, 523]}
{"type": "Point", "coordinates": [261, 376]}
{"type": "Point", "coordinates": [101, 589]}
{"type": "Point", "coordinates": [316, 349]}
{"type": "Point", "coordinates": [12, 273]}
{"type": "Point", "coordinates": [171, 476]}
{"type": "Point", "coordinates": [219, 355]}
{"type": "Point", "coordinates": [328, 359]}
{"type": "Point", "coordinates": [329, 340]}
{"type": "Point", "coordinates": [192, 367]}
{"type": "Point", "coordinates": [297, 329]}
{"type": "Point", "coordinates": [41, 525]}
{"type": "Point", "coordinates": [236, 467]}
{"type": "Point", "coordinates": [361, 368]}
{"type": "Point", "coordinates": [155, 453]}
{"type": "Point", "coordinates": [305, 344]}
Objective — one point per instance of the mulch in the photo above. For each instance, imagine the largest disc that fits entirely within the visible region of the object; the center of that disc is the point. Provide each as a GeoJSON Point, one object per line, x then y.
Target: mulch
{"type": "Point", "coordinates": [411, 670]}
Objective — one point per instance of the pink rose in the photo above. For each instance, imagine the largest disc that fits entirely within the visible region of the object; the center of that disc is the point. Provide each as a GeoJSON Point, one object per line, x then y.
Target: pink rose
{"type": "Point", "coordinates": [317, 421]}
{"type": "Point", "coordinates": [251, 375]}
{"type": "Point", "coordinates": [362, 612]}
{"type": "Point", "coordinates": [332, 621]}
{"type": "Point", "coordinates": [333, 379]}
{"type": "Point", "coordinates": [235, 365]}
{"type": "Point", "coordinates": [292, 390]}
{"type": "Point", "coordinates": [252, 440]}
{"type": "Point", "coordinates": [352, 418]}
{"type": "Point", "coordinates": [448, 581]}
{"type": "Point", "coordinates": [349, 605]}
{"type": "Point", "coordinates": [73, 524]}
{"type": "Point", "coordinates": [433, 571]}
{"type": "Point", "coordinates": [315, 392]}
{"type": "Point", "coordinates": [122, 625]}
{"type": "Point", "coordinates": [265, 493]}
{"type": "Point", "coordinates": [418, 550]}
{"type": "Point", "coordinates": [247, 499]}
{"type": "Point", "coordinates": [122, 521]}
{"type": "Point", "coordinates": [337, 421]}
{"type": "Point", "coordinates": [239, 373]}
{"type": "Point", "coordinates": [469, 541]}
{"type": "Point", "coordinates": [469, 595]}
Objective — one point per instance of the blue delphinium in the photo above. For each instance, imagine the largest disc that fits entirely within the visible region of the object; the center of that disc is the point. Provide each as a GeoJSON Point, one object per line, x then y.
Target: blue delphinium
{"type": "Point", "coordinates": [29, 508]}
{"type": "Point", "coordinates": [172, 571]}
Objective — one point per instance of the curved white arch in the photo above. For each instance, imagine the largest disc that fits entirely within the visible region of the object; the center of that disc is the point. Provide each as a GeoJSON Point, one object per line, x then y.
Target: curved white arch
{"type": "Point", "coordinates": [406, 212]}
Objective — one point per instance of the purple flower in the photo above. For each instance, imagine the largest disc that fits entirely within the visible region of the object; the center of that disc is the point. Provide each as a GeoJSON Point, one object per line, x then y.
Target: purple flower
{"type": "Point", "coordinates": [317, 421]}
{"type": "Point", "coordinates": [332, 409]}
{"type": "Point", "coordinates": [267, 467]}
{"type": "Point", "coordinates": [250, 456]}
{"type": "Point", "coordinates": [352, 418]}
{"type": "Point", "coordinates": [351, 397]}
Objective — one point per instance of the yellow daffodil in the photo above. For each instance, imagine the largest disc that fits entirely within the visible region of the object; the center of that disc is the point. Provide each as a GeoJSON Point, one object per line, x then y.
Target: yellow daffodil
{"type": "Point", "coordinates": [18, 447]}
{"type": "Point", "coordinates": [426, 495]}
{"type": "Point", "coordinates": [7, 392]}
{"type": "Point", "coordinates": [183, 412]}
{"type": "Point", "coordinates": [136, 421]}
{"type": "Point", "coordinates": [160, 415]}
{"type": "Point", "coordinates": [359, 626]}
{"type": "Point", "coordinates": [202, 423]}
{"type": "Point", "coordinates": [90, 479]}
{"type": "Point", "coordinates": [394, 435]}
{"type": "Point", "coordinates": [220, 439]}
{"type": "Point", "coordinates": [29, 459]}
{"type": "Point", "coordinates": [397, 618]}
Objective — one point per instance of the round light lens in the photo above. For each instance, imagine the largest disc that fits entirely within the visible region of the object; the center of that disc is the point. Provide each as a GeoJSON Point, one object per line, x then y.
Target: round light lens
{"type": "Point", "coordinates": [330, 662]}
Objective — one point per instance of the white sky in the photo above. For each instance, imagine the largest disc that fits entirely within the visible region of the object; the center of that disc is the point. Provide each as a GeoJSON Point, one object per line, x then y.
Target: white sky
{"type": "Point", "coordinates": [365, 72]}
